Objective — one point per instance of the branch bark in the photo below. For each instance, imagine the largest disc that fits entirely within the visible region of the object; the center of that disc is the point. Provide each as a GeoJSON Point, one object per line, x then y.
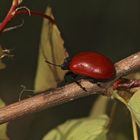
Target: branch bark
{"type": "Point", "coordinates": [67, 93]}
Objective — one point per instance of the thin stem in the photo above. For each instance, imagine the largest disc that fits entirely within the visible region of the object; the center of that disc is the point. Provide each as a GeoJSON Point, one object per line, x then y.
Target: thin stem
{"type": "Point", "coordinates": [14, 10]}
{"type": "Point", "coordinates": [135, 130]}
{"type": "Point", "coordinates": [124, 83]}
{"type": "Point", "coordinates": [112, 114]}
{"type": "Point", "coordinates": [35, 13]}
{"type": "Point", "coordinates": [10, 15]}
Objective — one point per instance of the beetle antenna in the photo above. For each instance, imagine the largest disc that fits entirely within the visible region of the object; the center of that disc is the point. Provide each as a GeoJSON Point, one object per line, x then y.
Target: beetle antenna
{"type": "Point", "coordinates": [52, 63]}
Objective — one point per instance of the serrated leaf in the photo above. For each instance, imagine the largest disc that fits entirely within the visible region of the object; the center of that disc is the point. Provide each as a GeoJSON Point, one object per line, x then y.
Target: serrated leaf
{"type": "Point", "coordinates": [134, 106]}
{"type": "Point", "coordinates": [3, 127]}
{"type": "Point", "coordinates": [51, 49]}
{"type": "Point", "coordinates": [81, 129]}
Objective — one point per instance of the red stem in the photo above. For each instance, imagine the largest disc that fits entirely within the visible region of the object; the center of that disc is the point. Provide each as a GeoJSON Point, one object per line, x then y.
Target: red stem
{"type": "Point", "coordinates": [12, 12]}
{"type": "Point", "coordinates": [126, 83]}
{"type": "Point", "coordinates": [10, 15]}
{"type": "Point", "coordinates": [36, 14]}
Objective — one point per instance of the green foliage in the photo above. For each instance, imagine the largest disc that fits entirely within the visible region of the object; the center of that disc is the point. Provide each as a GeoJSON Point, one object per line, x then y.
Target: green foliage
{"type": "Point", "coordinates": [81, 129]}
{"type": "Point", "coordinates": [133, 102]}
{"type": "Point", "coordinates": [134, 106]}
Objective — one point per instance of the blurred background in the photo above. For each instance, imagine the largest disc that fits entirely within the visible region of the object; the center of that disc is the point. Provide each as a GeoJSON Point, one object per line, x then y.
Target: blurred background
{"type": "Point", "coordinates": [109, 27]}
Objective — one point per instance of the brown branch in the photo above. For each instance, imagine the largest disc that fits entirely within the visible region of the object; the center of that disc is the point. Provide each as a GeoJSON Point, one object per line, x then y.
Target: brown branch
{"type": "Point", "coordinates": [67, 93]}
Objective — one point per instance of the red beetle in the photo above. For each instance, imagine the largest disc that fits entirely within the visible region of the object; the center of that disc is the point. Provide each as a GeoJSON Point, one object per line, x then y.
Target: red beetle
{"type": "Point", "coordinates": [89, 64]}
{"type": "Point", "coordinates": [93, 65]}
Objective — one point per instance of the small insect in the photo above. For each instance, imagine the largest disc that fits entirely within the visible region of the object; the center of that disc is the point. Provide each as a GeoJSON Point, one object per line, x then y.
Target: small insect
{"type": "Point", "coordinates": [90, 65]}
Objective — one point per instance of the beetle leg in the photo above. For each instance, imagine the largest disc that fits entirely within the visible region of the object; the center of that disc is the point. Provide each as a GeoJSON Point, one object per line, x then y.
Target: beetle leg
{"type": "Point", "coordinates": [71, 77]}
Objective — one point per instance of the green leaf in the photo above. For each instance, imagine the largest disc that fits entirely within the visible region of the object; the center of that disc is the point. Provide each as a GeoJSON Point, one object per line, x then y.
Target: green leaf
{"type": "Point", "coordinates": [81, 129]}
{"type": "Point", "coordinates": [134, 106]}
{"type": "Point", "coordinates": [51, 49]}
{"type": "Point", "coordinates": [3, 127]}
{"type": "Point", "coordinates": [102, 136]}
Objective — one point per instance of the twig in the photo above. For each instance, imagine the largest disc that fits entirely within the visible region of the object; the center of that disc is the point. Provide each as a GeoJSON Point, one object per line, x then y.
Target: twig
{"type": "Point", "coordinates": [67, 93]}
{"type": "Point", "coordinates": [16, 10]}
{"type": "Point", "coordinates": [36, 13]}
{"type": "Point", "coordinates": [135, 130]}
{"type": "Point", "coordinates": [128, 65]}
{"type": "Point", "coordinates": [10, 14]}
